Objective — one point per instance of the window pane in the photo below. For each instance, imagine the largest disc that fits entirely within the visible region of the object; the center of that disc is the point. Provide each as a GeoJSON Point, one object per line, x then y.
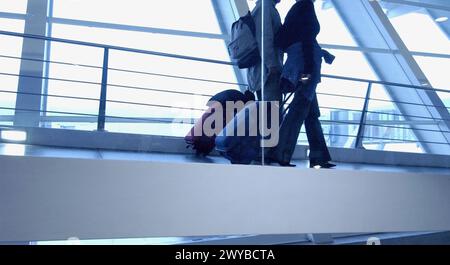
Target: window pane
{"type": "Point", "coordinates": [175, 99]}
{"type": "Point", "coordinates": [418, 30]}
{"type": "Point", "coordinates": [142, 97]}
{"type": "Point", "coordinates": [146, 94]}
{"type": "Point", "coordinates": [387, 129]}
{"type": "Point", "coordinates": [341, 103]}
{"type": "Point", "coordinates": [332, 31]}
{"type": "Point", "coordinates": [436, 70]}
{"type": "Point", "coordinates": [85, 84]}
{"type": "Point", "coordinates": [332, 28]}
{"type": "Point", "coordinates": [195, 15]}
{"type": "Point", "coordinates": [13, 6]}
{"type": "Point", "coordinates": [13, 25]}
{"type": "Point", "coordinates": [350, 64]}
{"type": "Point", "coordinates": [9, 47]}
{"type": "Point", "coordinates": [189, 46]}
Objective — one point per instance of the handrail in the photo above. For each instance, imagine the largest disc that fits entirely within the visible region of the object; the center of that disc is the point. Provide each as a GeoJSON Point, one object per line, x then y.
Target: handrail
{"type": "Point", "coordinates": [112, 85]}
{"type": "Point", "coordinates": [192, 121]}
{"type": "Point", "coordinates": [112, 47]}
{"type": "Point", "coordinates": [175, 107]}
{"type": "Point", "coordinates": [325, 133]}
{"type": "Point", "coordinates": [101, 116]}
{"type": "Point", "coordinates": [385, 83]}
{"type": "Point", "coordinates": [123, 70]}
{"type": "Point", "coordinates": [192, 58]}
{"type": "Point", "coordinates": [382, 124]}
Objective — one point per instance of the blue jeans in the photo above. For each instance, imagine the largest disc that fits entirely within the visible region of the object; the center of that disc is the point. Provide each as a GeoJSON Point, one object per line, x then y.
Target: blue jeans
{"type": "Point", "coordinates": [240, 149]}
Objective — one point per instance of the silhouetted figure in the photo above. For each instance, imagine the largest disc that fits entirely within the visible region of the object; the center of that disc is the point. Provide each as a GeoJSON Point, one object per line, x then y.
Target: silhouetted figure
{"type": "Point", "coordinates": [273, 56]}
{"type": "Point", "coordinates": [297, 37]}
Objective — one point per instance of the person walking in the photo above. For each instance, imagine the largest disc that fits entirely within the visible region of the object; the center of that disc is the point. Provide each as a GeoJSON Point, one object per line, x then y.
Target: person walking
{"type": "Point", "coordinates": [301, 73]}
{"type": "Point", "coordinates": [273, 56]}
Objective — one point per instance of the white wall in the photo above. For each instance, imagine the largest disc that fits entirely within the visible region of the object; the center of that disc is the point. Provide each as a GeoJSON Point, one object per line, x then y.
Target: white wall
{"type": "Point", "coordinates": [54, 199]}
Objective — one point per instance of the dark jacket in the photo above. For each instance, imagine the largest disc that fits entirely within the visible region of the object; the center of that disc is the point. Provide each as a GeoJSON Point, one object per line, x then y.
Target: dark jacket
{"type": "Point", "coordinates": [294, 67]}
{"type": "Point", "coordinates": [300, 25]}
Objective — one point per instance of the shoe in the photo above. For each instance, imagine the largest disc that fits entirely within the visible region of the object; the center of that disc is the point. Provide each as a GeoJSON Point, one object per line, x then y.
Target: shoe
{"type": "Point", "coordinates": [287, 164]}
{"type": "Point", "coordinates": [321, 165]}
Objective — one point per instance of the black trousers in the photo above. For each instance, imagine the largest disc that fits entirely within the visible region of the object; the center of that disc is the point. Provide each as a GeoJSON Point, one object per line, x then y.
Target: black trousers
{"type": "Point", "coordinates": [301, 111]}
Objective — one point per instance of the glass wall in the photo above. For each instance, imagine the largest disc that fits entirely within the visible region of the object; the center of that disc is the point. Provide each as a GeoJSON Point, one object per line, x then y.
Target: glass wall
{"type": "Point", "coordinates": [170, 14]}
{"type": "Point", "coordinates": [425, 29]}
{"type": "Point", "coordinates": [161, 89]}
{"type": "Point", "coordinates": [337, 109]}
{"type": "Point", "coordinates": [151, 93]}
{"type": "Point", "coordinates": [13, 7]}
{"type": "Point", "coordinates": [341, 102]}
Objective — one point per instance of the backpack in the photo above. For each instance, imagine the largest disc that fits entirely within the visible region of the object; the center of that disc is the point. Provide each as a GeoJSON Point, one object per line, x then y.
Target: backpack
{"type": "Point", "coordinates": [243, 47]}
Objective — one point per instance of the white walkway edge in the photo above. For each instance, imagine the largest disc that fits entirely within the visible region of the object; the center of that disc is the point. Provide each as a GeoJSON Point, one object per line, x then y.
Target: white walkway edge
{"type": "Point", "coordinates": [57, 198]}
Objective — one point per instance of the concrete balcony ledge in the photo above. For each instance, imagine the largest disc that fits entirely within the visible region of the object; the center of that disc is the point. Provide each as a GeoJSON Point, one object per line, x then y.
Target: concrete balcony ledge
{"type": "Point", "coordinates": [45, 198]}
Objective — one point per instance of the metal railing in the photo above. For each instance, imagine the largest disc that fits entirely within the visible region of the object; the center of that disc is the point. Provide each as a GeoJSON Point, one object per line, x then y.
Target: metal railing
{"type": "Point", "coordinates": [101, 116]}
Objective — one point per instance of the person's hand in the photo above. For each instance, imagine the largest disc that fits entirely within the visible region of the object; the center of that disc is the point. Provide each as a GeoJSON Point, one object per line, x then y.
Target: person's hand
{"type": "Point", "coordinates": [305, 78]}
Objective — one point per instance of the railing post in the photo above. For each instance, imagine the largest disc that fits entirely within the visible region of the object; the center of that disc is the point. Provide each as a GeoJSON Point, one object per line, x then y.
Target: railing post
{"type": "Point", "coordinates": [102, 105]}
{"type": "Point", "coordinates": [362, 121]}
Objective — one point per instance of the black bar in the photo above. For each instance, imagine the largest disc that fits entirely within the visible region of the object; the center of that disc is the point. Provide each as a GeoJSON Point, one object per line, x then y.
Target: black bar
{"type": "Point", "coordinates": [253, 254]}
{"type": "Point", "coordinates": [102, 107]}
{"type": "Point", "coordinates": [360, 135]}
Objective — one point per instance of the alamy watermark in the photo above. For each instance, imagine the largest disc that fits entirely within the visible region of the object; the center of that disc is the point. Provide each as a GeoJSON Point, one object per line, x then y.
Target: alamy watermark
{"type": "Point", "coordinates": [252, 119]}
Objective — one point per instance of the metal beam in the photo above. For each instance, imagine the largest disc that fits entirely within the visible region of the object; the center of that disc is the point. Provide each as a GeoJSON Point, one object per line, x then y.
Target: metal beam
{"type": "Point", "coordinates": [226, 17]}
{"type": "Point", "coordinates": [443, 25]}
{"type": "Point", "coordinates": [47, 65]}
{"type": "Point", "coordinates": [435, 8]}
{"type": "Point", "coordinates": [83, 23]}
{"type": "Point", "coordinates": [13, 16]}
{"type": "Point", "coordinates": [240, 7]}
{"type": "Point", "coordinates": [434, 4]}
{"type": "Point", "coordinates": [35, 24]}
